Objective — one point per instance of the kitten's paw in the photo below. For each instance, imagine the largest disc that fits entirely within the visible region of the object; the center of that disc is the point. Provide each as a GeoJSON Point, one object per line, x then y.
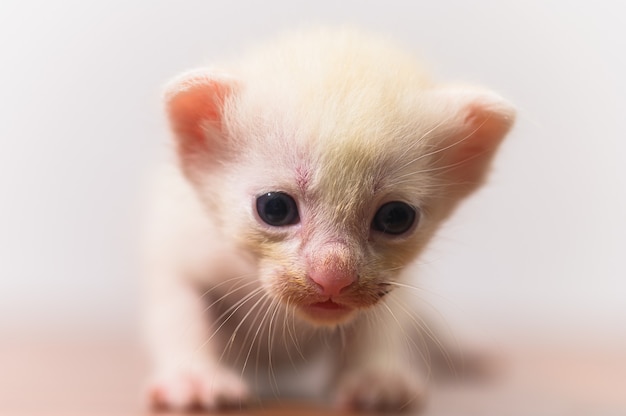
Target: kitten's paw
{"type": "Point", "coordinates": [208, 390]}
{"type": "Point", "coordinates": [380, 391]}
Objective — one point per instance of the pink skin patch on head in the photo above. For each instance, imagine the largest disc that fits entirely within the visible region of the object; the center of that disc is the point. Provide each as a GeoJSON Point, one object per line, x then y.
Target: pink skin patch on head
{"type": "Point", "coordinates": [303, 178]}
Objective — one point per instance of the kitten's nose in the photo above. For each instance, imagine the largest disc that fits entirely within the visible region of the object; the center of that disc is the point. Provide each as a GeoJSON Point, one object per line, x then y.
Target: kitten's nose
{"type": "Point", "coordinates": [332, 282]}
{"type": "Point", "coordinates": [333, 268]}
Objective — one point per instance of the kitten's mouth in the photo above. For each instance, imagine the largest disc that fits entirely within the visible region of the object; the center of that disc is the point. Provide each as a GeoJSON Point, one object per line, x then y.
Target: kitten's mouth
{"type": "Point", "coordinates": [327, 312]}
{"type": "Point", "coordinates": [328, 305]}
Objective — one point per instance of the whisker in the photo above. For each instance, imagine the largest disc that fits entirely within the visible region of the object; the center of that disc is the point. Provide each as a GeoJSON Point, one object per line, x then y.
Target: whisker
{"type": "Point", "coordinates": [236, 306]}
{"type": "Point", "coordinates": [256, 334]}
{"type": "Point", "coordinates": [451, 145]}
{"type": "Point", "coordinates": [270, 335]}
{"type": "Point", "coordinates": [293, 334]}
{"type": "Point", "coordinates": [408, 339]}
{"type": "Point", "coordinates": [422, 326]}
{"type": "Point", "coordinates": [285, 330]}
{"type": "Point", "coordinates": [228, 293]}
{"type": "Point", "coordinates": [232, 310]}
{"type": "Point", "coordinates": [435, 167]}
{"type": "Point", "coordinates": [230, 280]}
{"type": "Point", "coordinates": [415, 288]}
{"type": "Point", "coordinates": [418, 142]}
{"type": "Point", "coordinates": [432, 308]}
{"type": "Point", "coordinates": [264, 298]}
{"type": "Point", "coordinates": [342, 337]}
{"type": "Point", "coordinates": [185, 331]}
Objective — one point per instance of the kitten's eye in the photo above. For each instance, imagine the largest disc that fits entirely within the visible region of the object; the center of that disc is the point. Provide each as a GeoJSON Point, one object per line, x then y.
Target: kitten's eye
{"type": "Point", "coordinates": [277, 209]}
{"type": "Point", "coordinates": [394, 218]}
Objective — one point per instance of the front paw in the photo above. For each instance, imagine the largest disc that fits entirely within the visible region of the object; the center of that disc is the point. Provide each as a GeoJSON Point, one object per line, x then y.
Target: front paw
{"type": "Point", "coordinates": [380, 391]}
{"type": "Point", "coordinates": [210, 389]}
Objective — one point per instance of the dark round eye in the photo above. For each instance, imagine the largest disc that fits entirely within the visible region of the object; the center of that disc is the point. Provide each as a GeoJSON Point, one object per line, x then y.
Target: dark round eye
{"type": "Point", "coordinates": [394, 218]}
{"type": "Point", "coordinates": [277, 209]}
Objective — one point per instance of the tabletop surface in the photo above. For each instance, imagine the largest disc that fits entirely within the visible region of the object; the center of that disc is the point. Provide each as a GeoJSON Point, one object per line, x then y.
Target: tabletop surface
{"type": "Point", "coordinates": [104, 376]}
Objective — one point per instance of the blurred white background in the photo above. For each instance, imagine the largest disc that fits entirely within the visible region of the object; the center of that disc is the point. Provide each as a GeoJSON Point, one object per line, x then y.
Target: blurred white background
{"type": "Point", "coordinates": [543, 246]}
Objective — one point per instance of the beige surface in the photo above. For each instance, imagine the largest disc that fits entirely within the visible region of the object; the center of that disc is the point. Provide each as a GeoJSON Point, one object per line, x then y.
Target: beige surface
{"type": "Point", "coordinates": [100, 376]}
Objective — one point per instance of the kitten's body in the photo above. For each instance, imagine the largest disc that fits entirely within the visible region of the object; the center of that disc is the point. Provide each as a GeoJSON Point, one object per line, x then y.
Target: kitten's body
{"type": "Point", "coordinates": [341, 125]}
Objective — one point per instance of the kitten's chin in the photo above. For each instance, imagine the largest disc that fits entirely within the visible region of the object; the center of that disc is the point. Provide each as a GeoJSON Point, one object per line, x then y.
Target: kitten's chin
{"type": "Point", "coordinates": [327, 313]}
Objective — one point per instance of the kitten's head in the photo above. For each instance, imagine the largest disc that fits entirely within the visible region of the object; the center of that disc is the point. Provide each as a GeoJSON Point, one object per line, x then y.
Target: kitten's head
{"type": "Point", "coordinates": [333, 160]}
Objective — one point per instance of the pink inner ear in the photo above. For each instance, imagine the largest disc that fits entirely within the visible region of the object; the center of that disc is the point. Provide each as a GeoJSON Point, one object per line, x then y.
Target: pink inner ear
{"type": "Point", "coordinates": [489, 127]}
{"type": "Point", "coordinates": [194, 107]}
{"type": "Point", "coordinates": [483, 128]}
{"type": "Point", "coordinates": [477, 136]}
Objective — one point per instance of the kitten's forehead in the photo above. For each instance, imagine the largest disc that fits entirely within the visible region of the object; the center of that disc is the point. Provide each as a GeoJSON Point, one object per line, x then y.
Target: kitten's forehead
{"type": "Point", "coordinates": [337, 125]}
{"type": "Point", "coordinates": [360, 171]}
{"type": "Point", "coordinates": [340, 145]}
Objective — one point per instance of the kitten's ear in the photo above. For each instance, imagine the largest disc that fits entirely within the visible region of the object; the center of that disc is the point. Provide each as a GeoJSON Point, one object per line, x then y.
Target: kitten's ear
{"type": "Point", "coordinates": [479, 121]}
{"type": "Point", "coordinates": [195, 103]}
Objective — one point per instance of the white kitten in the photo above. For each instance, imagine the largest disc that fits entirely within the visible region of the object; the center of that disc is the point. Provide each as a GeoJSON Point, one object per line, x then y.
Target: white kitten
{"type": "Point", "coordinates": [310, 174]}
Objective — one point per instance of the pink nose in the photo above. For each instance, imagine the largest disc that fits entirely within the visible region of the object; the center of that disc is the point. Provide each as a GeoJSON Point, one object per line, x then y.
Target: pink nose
{"type": "Point", "coordinates": [332, 281]}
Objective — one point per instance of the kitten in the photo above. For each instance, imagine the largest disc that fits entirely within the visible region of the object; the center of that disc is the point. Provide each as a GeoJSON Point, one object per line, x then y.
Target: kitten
{"type": "Point", "coordinates": [310, 174]}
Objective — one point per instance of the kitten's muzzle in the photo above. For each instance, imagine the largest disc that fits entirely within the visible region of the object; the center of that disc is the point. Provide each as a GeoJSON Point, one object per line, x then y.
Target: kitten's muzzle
{"type": "Point", "coordinates": [332, 268]}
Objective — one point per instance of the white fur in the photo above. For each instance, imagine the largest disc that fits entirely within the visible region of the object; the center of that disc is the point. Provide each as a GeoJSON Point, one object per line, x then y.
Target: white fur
{"type": "Point", "coordinates": [343, 123]}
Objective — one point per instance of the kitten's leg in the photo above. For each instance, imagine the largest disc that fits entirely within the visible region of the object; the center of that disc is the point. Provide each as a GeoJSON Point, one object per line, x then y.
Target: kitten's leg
{"type": "Point", "coordinates": [188, 373]}
{"type": "Point", "coordinates": [380, 371]}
